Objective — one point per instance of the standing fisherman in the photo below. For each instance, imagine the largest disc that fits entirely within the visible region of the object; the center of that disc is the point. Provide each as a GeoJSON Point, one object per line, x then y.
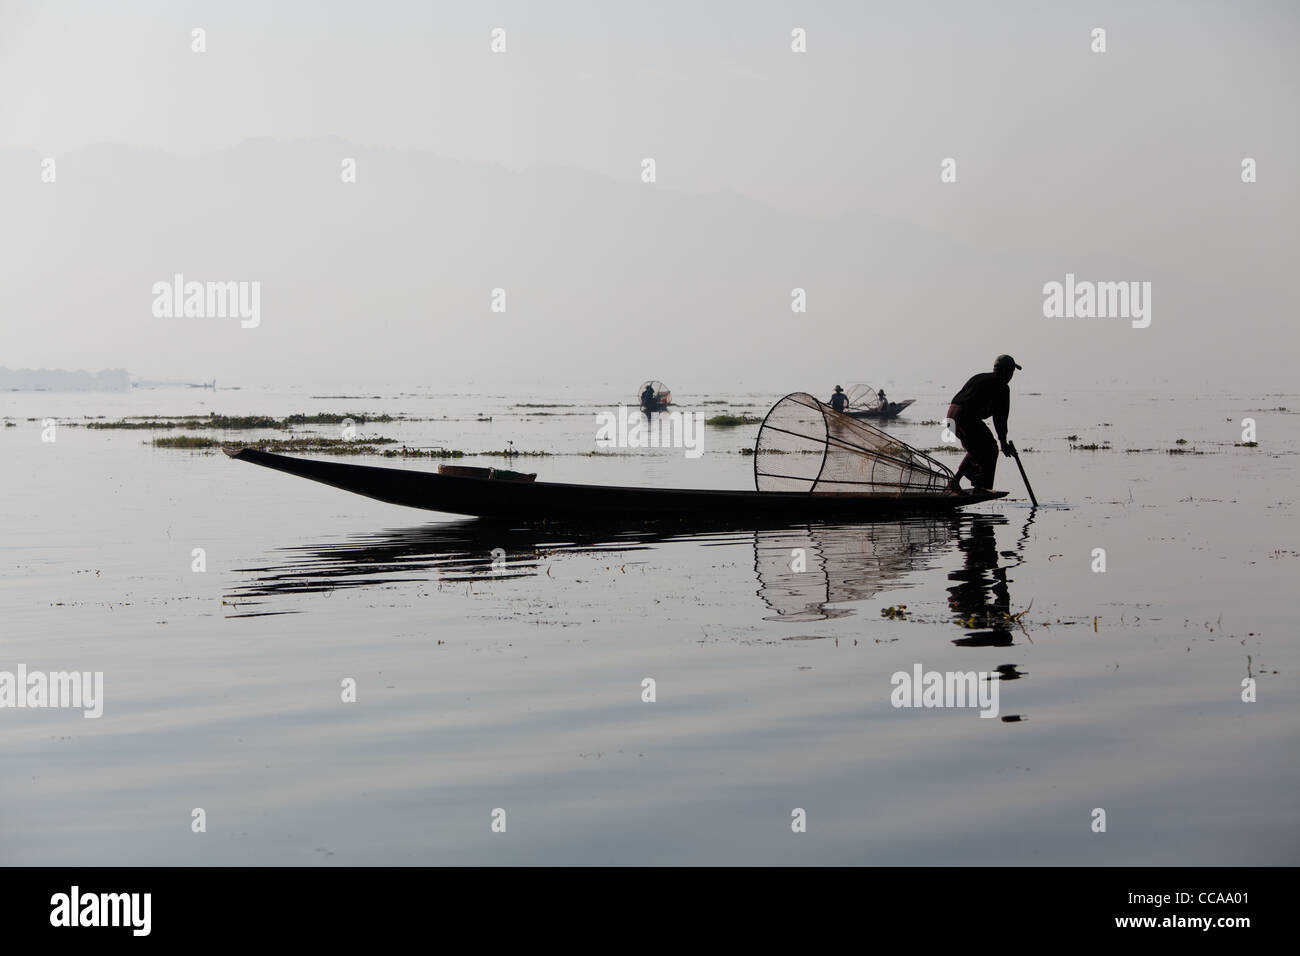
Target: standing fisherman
{"type": "Point", "coordinates": [985, 395]}
{"type": "Point", "coordinates": [839, 400]}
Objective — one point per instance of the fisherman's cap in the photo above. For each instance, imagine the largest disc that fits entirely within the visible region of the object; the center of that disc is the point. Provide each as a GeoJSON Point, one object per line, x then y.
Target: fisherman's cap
{"type": "Point", "coordinates": [1002, 360]}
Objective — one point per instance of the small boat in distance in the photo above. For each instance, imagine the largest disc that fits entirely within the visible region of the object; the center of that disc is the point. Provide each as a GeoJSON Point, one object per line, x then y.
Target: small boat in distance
{"type": "Point", "coordinates": [654, 396]}
{"type": "Point", "coordinates": [888, 410]}
{"type": "Point", "coordinates": [866, 402]}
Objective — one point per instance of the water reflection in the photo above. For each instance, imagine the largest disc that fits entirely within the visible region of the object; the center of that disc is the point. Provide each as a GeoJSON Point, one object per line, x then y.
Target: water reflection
{"type": "Point", "coordinates": [454, 551]}
{"type": "Point", "coordinates": [981, 596]}
{"type": "Point", "coordinates": [808, 572]}
{"type": "Point", "coordinates": [803, 571]}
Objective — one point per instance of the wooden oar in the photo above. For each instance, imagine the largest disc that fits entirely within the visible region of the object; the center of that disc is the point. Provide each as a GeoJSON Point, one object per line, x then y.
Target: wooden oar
{"type": "Point", "coordinates": [1016, 455]}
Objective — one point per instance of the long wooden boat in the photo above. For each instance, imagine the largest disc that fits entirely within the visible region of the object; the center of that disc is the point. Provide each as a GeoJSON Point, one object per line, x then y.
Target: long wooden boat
{"type": "Point", "coordinates": [890, 410]}
{"type": "Point", "coordinates": [544, 500]}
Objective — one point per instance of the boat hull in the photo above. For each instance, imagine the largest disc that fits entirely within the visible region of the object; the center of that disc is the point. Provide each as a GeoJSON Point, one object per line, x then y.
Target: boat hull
{"type": "Point", "coordinates": [543, 500]}
{"type": "Point", "coordinates": [892, 411]}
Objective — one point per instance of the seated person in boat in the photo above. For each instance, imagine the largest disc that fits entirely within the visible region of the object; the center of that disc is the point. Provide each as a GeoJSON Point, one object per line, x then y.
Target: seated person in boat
{"type": "Point", "coordinates": [839, 401]}
{"type": "Point", "coordinates": [985, 395]}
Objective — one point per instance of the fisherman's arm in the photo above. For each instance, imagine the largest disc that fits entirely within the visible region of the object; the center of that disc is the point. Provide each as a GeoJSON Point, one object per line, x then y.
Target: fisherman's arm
{"type": "Point", "coordinates": [1001, 409]}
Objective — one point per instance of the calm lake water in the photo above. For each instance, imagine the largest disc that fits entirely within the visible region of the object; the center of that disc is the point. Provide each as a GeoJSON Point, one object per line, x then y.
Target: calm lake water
{"type": "Point", "coordinates": [518, 686]}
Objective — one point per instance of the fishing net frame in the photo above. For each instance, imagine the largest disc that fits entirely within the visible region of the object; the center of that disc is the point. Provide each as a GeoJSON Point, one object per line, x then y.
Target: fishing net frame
{"type": "Point", "coordinates": [862, 397]}
{"type": "Point", "coordinates": [663, 394]}
{"type": "Point", "coordinates": [838, 454]}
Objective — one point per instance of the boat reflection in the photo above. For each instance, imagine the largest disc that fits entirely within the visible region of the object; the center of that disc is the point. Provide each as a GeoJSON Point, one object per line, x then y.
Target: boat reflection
{"type": "Point", "coordinates": [465, 550]}
{"type": "Point", "coordinates": [803, 572]}
{"type": "Point", "coordinates": [808, 572]}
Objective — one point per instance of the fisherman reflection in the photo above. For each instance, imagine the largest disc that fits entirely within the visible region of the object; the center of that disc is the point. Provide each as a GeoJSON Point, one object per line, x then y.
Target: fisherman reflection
{"type": "Point", "coordinates": [981, 598]}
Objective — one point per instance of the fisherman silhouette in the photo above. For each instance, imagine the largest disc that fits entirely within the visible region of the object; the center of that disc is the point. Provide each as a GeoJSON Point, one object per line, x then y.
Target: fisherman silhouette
{"type": "Point", "coordinates": [839, 401]}
{"type": "Point", "coordinates": [984, 395]}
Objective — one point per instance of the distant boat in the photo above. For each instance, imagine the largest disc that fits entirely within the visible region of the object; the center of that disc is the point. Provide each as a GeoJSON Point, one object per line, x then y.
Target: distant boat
{"type": "Point", "coordinates": [864, 402]}
{"type": "Point", "coordinates": [663, 396]}
{"type": "Point", "coordinates": [888, 410]}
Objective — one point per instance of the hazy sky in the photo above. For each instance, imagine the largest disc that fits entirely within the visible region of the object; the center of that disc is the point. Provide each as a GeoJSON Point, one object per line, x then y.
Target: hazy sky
{"type": "Point", "coordinates": [1127, 161]}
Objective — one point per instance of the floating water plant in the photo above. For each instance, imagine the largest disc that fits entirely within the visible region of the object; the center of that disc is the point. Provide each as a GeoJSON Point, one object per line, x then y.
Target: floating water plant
{"type": "Point", "coordinates": [183, 441]}
{"type": "Point", "coordinates": [405, 452]}
{"type": "Point", "coordinates": [238, 422]}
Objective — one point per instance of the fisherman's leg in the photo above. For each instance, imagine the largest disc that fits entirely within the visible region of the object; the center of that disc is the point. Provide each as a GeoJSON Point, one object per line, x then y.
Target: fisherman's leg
{"type": "Point", "coordinates": [968, 464]}
{"type": "Point", "coordinates": [969, 468]}
{"type": "Point", "coordinates": [975, 437]}
{"type": "Point", "coordinates": [985, 451]}
{"type": "Point", "coordinates": [987, 469]}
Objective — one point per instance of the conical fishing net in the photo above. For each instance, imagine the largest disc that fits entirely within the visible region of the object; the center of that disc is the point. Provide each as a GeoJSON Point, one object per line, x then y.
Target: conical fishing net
{"type": "Point", "coordinates": [862, 398]}
{"type": "Point", "coordinates": [662, 394]}
{"type": "Point", "coordinates": [807, 446]}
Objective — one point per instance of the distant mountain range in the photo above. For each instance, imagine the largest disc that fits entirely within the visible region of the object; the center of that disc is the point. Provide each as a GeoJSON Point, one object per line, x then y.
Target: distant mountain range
{"type": "Point", "coordinates": [62, 380]}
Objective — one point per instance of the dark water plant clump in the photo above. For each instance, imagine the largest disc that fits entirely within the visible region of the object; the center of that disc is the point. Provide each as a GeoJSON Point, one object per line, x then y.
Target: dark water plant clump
{"type": "Point", "coordinates": [440, 453]}
{"type": "Point", "coordinates": [233, 422]}
{"type": "Point", "coordinates": [238, 422]}
{"type": "Point", "coordinates": [406, 452]}
{"type": "Point", "coordinates": [329, 446]}
{"type": "Point", "coordinates": [183, 441]}
{"type": "Point", "coordinates": [152, 424]}
{"type": "Point", "coordinates": [331, 418]}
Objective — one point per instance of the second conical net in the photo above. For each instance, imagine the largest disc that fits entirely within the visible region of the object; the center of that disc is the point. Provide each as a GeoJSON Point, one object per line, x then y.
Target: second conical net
{"type": "Point", "coordinates": [862, 398]}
